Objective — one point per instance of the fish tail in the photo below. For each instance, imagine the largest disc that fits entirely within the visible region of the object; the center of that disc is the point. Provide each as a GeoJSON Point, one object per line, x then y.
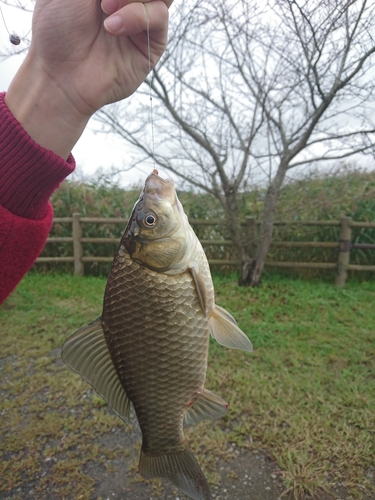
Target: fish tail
{"type": "Point", "coordinates": [181, 469]}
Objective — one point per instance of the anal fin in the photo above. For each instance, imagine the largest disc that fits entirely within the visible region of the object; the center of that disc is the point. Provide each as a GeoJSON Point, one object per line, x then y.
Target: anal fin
{"type": "Point", "coordinates": [225, 331]}
{"type": "Point", "coordinates": [208, 406]}
{"type": "Point", "coordinates": [181, 469]}
{"type": "Point", "coordinates": [86, 352]}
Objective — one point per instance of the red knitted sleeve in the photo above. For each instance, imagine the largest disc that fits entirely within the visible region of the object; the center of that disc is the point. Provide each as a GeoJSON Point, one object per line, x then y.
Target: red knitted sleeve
{"type": "Point", "coordinates": [29, 174]}
{"type": "Point", "coordinates": [21, 241]}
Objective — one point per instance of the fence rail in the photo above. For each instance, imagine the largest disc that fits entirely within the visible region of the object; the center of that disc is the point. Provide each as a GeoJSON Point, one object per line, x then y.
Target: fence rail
{"type": "Point", "coordinates": [344, 245]}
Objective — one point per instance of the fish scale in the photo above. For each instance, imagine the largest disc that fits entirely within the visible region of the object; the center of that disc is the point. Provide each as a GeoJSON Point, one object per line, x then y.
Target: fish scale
{"type": "Point", "coordinates": [176, 334]}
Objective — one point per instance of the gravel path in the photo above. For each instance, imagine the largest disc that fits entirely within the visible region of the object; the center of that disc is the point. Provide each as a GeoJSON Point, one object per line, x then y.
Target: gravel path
{"type": "Point", "coordinates": [247, 476]}
{"type": "Point", "coordinates": [250, 476]}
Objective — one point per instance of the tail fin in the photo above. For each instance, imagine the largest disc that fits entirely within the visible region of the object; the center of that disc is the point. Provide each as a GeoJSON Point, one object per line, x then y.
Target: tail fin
{"type": "Point", "coordinates": [181, 469]}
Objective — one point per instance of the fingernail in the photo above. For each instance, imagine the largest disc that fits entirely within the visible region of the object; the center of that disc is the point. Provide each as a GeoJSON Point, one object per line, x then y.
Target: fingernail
{"type": "Point", "coordinates": [113, 24]}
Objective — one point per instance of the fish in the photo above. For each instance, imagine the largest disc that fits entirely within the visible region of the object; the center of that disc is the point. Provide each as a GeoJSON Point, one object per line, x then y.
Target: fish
{"type": "Point", "coordinates": [149, 347]}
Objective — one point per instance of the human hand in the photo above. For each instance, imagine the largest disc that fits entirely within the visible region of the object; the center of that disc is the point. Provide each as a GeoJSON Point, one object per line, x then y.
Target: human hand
{"type": "Point", "coordinates": [72, 47]}
{"type": "Point", "coordinates": [76, 63]}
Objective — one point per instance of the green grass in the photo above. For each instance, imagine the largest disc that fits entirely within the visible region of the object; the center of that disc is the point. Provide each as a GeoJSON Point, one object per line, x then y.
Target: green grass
{"type": "Point", "coordinates": [306, 394]}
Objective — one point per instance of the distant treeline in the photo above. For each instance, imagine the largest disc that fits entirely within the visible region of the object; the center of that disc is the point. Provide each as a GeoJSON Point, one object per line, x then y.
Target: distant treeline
{"type": "Point", "coordinates": [346, 192]}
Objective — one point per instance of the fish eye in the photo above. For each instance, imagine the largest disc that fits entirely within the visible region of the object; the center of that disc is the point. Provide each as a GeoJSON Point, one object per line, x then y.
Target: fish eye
{"type": "Point", "coordinates": [149, 220]}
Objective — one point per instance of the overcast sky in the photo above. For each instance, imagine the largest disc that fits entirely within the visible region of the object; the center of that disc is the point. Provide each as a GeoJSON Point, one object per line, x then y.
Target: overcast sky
{"type": "Point", "coordinates": [93, 151]}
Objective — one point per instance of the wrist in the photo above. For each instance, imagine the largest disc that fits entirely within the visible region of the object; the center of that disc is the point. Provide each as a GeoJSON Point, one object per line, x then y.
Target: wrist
{"type": "Point", "coordinates": [45, 110]}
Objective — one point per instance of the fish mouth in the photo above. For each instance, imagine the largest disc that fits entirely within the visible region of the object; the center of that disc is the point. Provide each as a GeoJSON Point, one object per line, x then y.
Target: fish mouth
{"type": "Point", "coordinates": [157, 187]}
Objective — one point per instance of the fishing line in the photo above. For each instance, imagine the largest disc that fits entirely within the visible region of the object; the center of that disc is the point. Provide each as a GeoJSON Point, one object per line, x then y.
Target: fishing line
{"type": "Point", "coordinates": [150, 89]}
{"type": "Point", "coordinates": [13, 37]}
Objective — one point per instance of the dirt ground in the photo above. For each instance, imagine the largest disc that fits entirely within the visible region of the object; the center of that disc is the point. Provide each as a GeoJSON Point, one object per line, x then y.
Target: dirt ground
{"type": "Point", "coordinates": [248, 476]}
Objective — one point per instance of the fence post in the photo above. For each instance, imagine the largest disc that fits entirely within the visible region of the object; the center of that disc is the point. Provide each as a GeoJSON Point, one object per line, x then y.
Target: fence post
{"type": "Point", "coordinates": [250, 236]}
{"type": "Point", "coordinates": [344, 251]}
{"type": "Point", "coordinates": [77, 245]}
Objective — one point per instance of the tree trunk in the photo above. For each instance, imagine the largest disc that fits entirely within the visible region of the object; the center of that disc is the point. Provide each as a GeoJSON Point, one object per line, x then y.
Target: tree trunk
{"type": "Point", "coordinates": [252, 271]}
{"type": "Point", "coordinates": [234, 226]}
{"type": "Point", "coordinates": [247, 251]}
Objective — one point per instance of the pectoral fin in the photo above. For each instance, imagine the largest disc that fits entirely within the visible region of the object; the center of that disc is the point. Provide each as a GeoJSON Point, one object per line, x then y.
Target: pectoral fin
{"type": "Point", "coordinates": [86, 352]}
{"type": "Point", "coordinates": [200, 288]}
{"type": "Point", "coordinates": [225, 331]}
{"type": "Point", "coordinates": [208, 406]}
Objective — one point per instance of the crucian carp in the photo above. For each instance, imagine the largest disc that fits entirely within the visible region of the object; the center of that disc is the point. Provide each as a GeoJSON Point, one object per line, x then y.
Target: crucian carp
{"type": "Point", "coordinates": [149, 348]}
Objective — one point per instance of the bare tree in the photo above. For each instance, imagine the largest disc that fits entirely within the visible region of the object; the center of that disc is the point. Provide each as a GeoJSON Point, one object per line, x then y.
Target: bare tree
{"type": "Point", "coordinates": [250, 90]}
{"type": "Point", "coordinates": [318, 107]}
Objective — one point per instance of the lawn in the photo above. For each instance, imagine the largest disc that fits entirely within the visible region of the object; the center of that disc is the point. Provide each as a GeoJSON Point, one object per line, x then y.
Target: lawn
{"type": "Point", "coordinates": [306, 395]}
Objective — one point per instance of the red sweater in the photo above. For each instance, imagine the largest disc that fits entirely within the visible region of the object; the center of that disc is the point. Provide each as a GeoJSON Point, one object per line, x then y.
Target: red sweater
{"type": "Point", "coordinates": [29, 174]}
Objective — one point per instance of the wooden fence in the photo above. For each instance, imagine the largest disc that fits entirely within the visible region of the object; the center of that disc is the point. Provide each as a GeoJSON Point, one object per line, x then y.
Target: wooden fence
{"type": "Point", "coordinates": [342, 264]}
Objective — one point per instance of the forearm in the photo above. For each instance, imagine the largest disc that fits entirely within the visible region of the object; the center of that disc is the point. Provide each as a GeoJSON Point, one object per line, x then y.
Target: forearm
{"type": "Point", "coordinates": [29, 174]}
